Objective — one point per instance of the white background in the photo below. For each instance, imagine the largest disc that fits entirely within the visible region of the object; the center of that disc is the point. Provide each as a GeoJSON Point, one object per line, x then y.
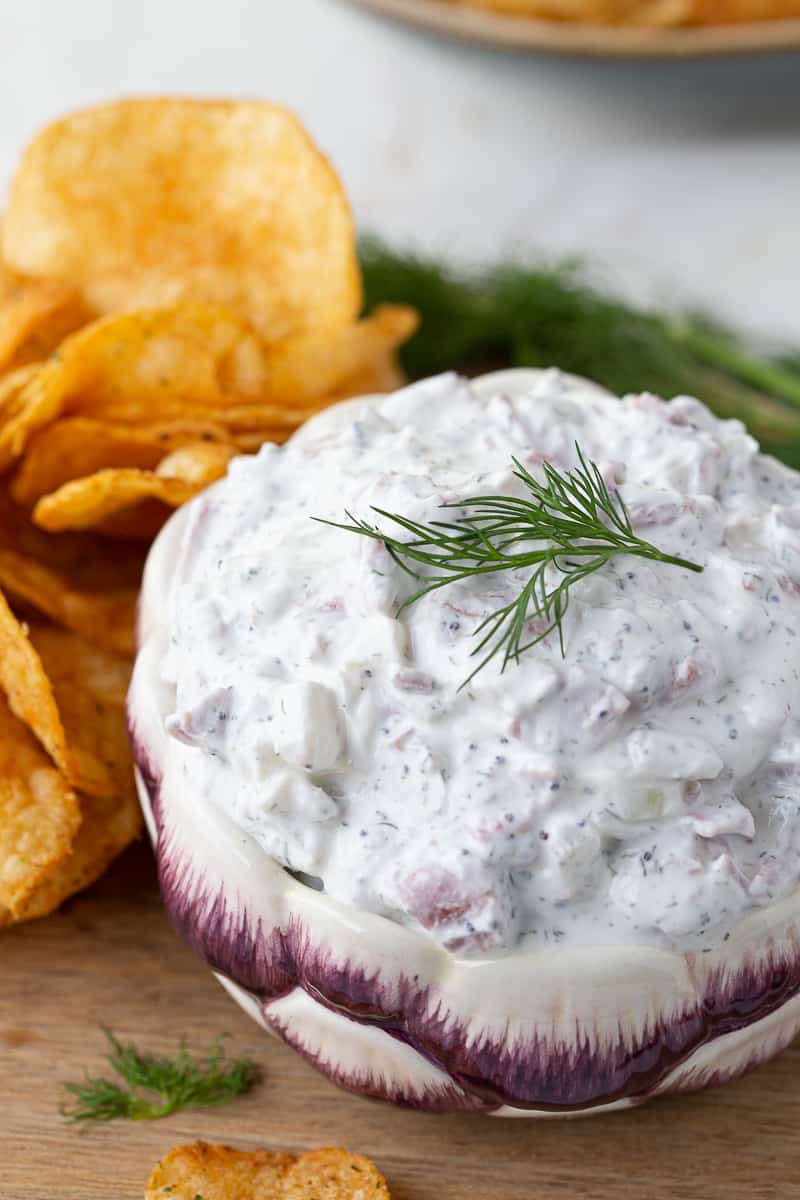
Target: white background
{"type": "Point", "coordinates": [681, 180]}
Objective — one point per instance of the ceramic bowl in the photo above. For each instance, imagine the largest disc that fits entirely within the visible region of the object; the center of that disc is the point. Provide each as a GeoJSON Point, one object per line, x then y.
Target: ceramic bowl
{"type": "Point", "coordinates": [385, 1011]}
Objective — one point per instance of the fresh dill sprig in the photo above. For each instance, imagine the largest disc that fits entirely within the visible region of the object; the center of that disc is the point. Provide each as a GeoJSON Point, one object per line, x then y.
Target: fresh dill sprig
{"type": "Point", "coordinates": [544, 314]}
{"type": "Point", "coordinates": [582, 525]}
{"type": "Point", "coordinates": [158, 1085]}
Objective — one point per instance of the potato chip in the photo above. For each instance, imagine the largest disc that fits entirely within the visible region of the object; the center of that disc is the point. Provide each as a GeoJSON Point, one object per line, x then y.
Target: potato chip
{"type": "Point", "coordinates": [12, 384]}
{"type": "Point", "coordinates": [250, 426]}
{"type": "Point", "coordinates": [153, 366]}
{"type": "Point", "coordinates": [8, 280]}
{"type": "Point", "coordinates": [88, 562]}
{"type": "Point", "coordinates": [251, 441]}
{"type": "Point", "coordinates": [333, 1175]}
{"type": "Point", "coordinates": [155, 201]}
{"type": "Point", "coordinates": [215, 1172]}
{"type": "Point", "coordinates": [379, 377]}
{"type": "Point", "coordinates": [141, 522]}
{"type": "Point", "coordinates": [88, 503]}
{"type": "Point", "coordinates": [31, 699]}
{"type": "Point", "coordinates": [104, 618]}
{"type": "Point", "coordinates": [199, 463]}
{"type": "Point", "coordinates": [89, 687]}
{"type": "Point", "coordinates": [35, 317]}
{"type": "Point", "coordinates": [246, 418]}
{"type": "Point", "coordinates": [107, 826]}
{"type": "Point", "coordinates": [76, 446]}
{"type": "Point", "coordinates": [307, 374]}
{"type": "Point", "coordinates": [39, 814]}
{"type": "Point", "coordinates": [302, 369]}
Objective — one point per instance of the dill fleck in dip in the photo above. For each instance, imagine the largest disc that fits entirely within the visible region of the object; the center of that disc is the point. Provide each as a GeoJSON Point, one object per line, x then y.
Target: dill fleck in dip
{"type": "Point", "coordinates": [641, 787]}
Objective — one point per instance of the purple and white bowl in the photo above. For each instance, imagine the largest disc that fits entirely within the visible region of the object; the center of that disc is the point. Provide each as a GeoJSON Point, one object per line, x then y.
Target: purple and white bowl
{"type": "Point", "coordinates": [386, 1010]}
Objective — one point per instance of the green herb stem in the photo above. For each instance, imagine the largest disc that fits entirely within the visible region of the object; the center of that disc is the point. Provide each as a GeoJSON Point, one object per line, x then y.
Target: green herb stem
{"type": "Point", "coordinates": [575, 524]}
{"type": "Point", "coordinates": [158, 1085]}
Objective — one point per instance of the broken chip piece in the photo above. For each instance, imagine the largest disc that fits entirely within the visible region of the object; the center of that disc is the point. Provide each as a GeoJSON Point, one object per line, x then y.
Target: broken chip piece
{"type": "Point", "coordinates": [214, 1172]}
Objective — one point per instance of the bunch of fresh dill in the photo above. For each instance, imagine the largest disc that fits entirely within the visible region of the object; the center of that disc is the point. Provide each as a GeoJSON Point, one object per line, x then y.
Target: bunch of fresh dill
{"type": "Point", "coordinates": [553, 315]}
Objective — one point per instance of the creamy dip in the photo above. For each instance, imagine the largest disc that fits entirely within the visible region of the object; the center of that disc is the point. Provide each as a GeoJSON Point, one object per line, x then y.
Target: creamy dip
{"type": "Point", "coordinates": [644, 788]}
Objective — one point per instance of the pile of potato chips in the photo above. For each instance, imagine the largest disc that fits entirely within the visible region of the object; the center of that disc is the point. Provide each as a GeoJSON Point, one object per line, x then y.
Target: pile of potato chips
{"type": "Point", "coordinates": [178, 284]}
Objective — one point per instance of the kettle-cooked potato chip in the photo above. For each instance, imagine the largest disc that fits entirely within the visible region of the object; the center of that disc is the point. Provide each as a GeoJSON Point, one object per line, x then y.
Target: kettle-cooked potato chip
{"type": "Point", "coordinates": [294, 393]}
{"type": "Point", "coordinates": [151, 366]}
{"type": "Point", "coordinates": [308, 373]}
{"type": "Point", "coordinates": [39, 814]}
{"type": "Point", "coordinates": [11, 384]}
{"type": "Point", "coordinates": [251, 425]}
{"type": "Point", "coordinates": [198, 463]}
{"type": "Point", "coordinates": [108, 825]}
{"type": "Point", "coordinates": [89, 563]}
{"type": "Point", "coordinates": [45, 855]}
{"type": "Point", "coordinates": [104, 618]}
{"type": "Point", "coordinates": [204, 1171]}
{"type": "Point", "coordinates": [155, 201]}
{"type": "Point", "coordinates": [89, 687]}
{"type": "Point", "coordinates": [88, 503]}
{"type": "Point", "coordinates": [379, 376]}
{"type": "Point", "coordinates": [30, 697]}
{"type": "Point", "coordinates": [35, 317]}
{"type": "Point", "coordinates": [305, 368]}
{"type": "Point", "coordinates": [76, 446]}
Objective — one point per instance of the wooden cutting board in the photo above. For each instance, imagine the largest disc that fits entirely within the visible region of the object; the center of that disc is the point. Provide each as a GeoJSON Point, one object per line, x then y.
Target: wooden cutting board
{"type": "Point", "coordinates": [110, 957]}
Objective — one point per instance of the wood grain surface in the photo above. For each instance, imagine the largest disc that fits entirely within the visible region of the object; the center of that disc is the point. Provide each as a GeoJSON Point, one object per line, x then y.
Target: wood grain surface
{"type": "Point", "coordinates": [110, 957]}
{"type": "Point", "coordinates": [574, 37]}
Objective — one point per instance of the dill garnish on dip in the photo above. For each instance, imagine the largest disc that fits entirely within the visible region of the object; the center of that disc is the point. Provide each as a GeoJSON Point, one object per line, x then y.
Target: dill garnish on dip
{"type": "Point", "coordinates": [155, 1085]}
{"type": "Point", "coordinates": [582, 525]}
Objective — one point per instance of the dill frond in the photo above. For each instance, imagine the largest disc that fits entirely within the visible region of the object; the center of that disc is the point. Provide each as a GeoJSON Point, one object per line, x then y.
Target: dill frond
{"type": "Point", "coordinates": [576, 524]}
{"type": "Point", "coordinates": [158, 1085]}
